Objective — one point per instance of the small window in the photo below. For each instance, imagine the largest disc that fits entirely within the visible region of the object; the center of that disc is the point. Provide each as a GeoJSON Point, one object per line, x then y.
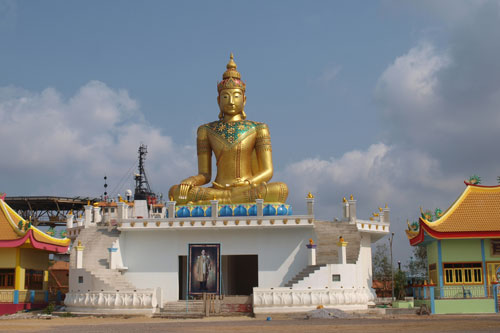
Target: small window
{"type": "Point", "coordinates": [7, 277]}
{"type": "Point", "coordinates": [463, 273]}
{"type": "Point", "coordinates": [80, 279]}
{"type": "Point", "coordinates": [336, 277]}
{"type": "Point", "coordinates": [495, 247]}
{"type": "Point", "coordinates": [33, 279]}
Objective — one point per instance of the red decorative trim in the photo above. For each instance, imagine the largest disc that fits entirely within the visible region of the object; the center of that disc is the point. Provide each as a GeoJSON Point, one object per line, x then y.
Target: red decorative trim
{"type": "Point", "coordinates": [477, 185]}
{"type": "Point", "coordinates": [418, 238]}
{"type": "Point", "coordinates": [459, 234]}
{"type": "Point", "coordinates": [453, 235]}
{"type": "Point", "coordinates": [35, 243]}
{"type": "Point", "coordinates": [15, 242]}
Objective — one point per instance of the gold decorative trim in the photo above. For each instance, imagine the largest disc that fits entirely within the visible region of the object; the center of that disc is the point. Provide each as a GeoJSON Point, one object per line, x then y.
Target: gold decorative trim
{"type": "Point", "coordinates": [203, 222]}
{"type": "Point", "coordinates": [132, 224]}
{"type": "Point", "coordinates": [285, 221]}
{"type": "Point", "coordinates": [248, 222]}
{"type": "Point", "coordinates": [181, 223]}
{"type": "Point", "coordinates": [158, 223]}
{"type": "Point", "coordinates": [310, 221]}
{"type": "Point", "coordinates": [192, 223]}
{"type": "Point", "coordinates": [259, 222]}
{"type": "Point", "coordinates": [236, 222]}
{"type": "Point", "coordinates": [225, 222]}
{"type": "Point", "coordinates": [119, 224]}
{"type": "Point", "coordinates": [145, 223]}
{"type": "Point", "coordinates": [272, 221]}
{"type": "Point", "coordinates": [297, 221]}
{"type": "Point", "coordinates": [214, 222]}
{"type": "Point", "coordinates": [170, 224]}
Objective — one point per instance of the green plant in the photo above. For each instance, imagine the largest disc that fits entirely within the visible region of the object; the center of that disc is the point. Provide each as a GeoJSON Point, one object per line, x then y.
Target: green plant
{"type": "Point", "coordinates": [399, 284]}
{"type": "Point", "coordinates": [50, 308]}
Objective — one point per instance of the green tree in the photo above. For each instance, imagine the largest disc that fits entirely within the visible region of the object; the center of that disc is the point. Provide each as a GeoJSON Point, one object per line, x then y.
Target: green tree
{"type": "Point", "coordinates": [400, 284]}
{"type": "Point", "coordinates": [381, 263]}
{"type": "Point", "coordinates": [417, 267]}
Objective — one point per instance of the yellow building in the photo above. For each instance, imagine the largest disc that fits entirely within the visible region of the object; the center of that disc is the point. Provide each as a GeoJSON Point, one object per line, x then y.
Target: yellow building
{"type": "Point", "coordinates": [24, 261]}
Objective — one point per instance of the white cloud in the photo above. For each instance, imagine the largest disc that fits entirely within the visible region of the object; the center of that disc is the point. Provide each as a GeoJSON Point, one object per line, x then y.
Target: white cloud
{"type": "Point", "coordinates": [408, 86]}
{"type": "Point", "coordinates": [55, 146]}
{"type": "Point", "coordinates": [381, 174]}
{"type": "Point", "coordinates": [330, 73]}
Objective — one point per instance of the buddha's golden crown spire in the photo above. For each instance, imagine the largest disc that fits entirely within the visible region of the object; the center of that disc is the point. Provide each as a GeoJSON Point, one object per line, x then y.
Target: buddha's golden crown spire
{"type": "Point", "coordinates": [231, 77]}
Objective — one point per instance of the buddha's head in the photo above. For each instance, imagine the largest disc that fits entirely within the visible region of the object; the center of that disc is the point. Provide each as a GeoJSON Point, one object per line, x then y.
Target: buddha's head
{"type": "Point", "coordinates": [231, 98]}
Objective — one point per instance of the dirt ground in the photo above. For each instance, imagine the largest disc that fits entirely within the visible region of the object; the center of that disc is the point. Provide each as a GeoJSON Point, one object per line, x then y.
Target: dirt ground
{"type": "Point", "coordinates": [408, 323]}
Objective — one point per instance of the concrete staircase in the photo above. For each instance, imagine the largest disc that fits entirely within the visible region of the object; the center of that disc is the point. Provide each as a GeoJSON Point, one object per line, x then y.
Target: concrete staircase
{"type": "Point", "coordinates": [328, 234]}
{"type": "Point", "coordinates": [96, 241]}
{"type": "Point", "coordinates": [179, 309]}
{"type": "Point", "coordinates": [303, 274]}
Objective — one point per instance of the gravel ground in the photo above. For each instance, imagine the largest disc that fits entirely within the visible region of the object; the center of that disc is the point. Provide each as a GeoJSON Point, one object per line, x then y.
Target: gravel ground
{"type": "Point", "coordinates": [408, 323]}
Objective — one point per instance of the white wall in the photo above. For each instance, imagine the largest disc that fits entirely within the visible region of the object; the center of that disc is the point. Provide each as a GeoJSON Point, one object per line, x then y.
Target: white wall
{"type": "Point", "coordinates": [152, 256]}
{"type": "Point", "coordinates": [365, 258]}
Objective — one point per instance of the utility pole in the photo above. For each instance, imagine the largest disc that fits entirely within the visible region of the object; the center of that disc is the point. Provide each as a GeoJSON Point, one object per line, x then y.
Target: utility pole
{"type": "Point", "coordinates": [392, 268]}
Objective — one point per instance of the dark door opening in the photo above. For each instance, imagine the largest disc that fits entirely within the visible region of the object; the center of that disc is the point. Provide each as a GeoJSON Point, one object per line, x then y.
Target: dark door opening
{"type": "Point", "coordinates": [239, 274]}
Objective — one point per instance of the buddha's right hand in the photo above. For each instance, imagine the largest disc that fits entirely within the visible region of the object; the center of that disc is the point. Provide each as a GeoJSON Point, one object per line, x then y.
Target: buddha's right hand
{"type": "Point", "coordinates": [184, 190]}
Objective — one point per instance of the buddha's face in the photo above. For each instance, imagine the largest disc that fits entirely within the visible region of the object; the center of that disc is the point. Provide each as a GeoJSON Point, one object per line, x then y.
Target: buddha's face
{"type": "Point", "coordinates": [231, 101]}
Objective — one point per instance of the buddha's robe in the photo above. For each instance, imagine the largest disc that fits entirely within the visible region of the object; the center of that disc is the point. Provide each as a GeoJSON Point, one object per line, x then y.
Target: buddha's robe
{"type": "Point", "coordinates": [242, 151]}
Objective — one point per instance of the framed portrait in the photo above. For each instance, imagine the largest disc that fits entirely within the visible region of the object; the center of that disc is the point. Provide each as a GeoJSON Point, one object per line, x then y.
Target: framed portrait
{"type": "Point", "coordinates": [204, 269]}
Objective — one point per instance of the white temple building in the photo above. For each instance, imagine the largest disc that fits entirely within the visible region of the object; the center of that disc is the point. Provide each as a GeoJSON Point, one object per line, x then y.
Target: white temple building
{"type": "Point", "coordinates": [128, 260]}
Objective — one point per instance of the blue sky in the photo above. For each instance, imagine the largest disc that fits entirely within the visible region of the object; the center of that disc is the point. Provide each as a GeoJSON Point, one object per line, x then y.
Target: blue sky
{"type": "Point", "coordinates": [394, 101]}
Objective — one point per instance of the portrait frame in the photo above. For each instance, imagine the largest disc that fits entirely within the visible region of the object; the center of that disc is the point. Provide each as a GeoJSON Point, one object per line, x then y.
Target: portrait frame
{"type": "Point", "coordinates": [203, 269]}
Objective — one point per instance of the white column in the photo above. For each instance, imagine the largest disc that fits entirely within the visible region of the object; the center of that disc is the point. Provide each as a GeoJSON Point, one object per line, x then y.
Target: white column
{"type": "Point", "coordinates": [215, 207]}
{"type": "Point", "coordinates": [88, 215]}
{"type": "Point", "coordinates": [310, 206]}
{"type": "Point", "coordinates": [312, 254]}
{"type": "Point", "coordinates": [352, 210]}
{"type": "Point", "coordinates": [121, 209]}
{"type": "Point", "coordinates": [342, 251]}
{"type": "Point", "coordinates": [79, 221]}
{"type": "Point", "coordinates": [79, 255]}
{"type": "Point", "coordinates": [69, 220]}
{"type": "Point", "coordinates": [171, 209]}
{"type": "Point", "coordinates": [345, 209]}
{"type": "Point", "coordinates": [112, 257]}
{"type": "Point", "coordinates": [386, 211]}
{"type": "Point", "coordinates": [260, 207]}
{"type": "Point", "coordinates": [97, 214]}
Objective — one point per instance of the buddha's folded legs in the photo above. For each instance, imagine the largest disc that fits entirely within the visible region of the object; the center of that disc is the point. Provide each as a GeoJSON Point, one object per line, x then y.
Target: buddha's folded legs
{"type": "Point", "coordinates": [272, 192]}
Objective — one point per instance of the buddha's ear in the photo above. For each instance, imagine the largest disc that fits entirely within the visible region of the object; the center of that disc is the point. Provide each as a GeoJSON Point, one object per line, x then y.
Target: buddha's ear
{"type": "Point", "coordinates": [244, 99]}
{"type": "Point", "coordinates": [218, 99]}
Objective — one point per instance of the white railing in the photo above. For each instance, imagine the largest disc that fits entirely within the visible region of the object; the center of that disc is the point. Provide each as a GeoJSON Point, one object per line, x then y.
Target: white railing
{"type": "Point", "coordinates": [104, 301]}
{"type": "Point", "coordinates": [218, 222]}
{"type": "Point", "coordinates": [287, 299]}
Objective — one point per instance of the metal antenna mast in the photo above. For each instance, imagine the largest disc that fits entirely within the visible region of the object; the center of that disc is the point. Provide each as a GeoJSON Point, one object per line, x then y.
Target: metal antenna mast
{"type": "Point", "coordinates": [142, 188]}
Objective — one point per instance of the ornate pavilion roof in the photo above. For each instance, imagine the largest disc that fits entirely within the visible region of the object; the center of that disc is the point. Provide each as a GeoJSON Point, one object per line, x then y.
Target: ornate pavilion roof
{"type": "Point", "coordinates": [475, 214]}
{"type": "Point", "coordinates": [15, 232]}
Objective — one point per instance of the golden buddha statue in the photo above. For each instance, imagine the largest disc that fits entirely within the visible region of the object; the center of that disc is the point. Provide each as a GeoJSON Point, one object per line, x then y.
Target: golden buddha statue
{"type": "Point", "coordinates": [242, 149]}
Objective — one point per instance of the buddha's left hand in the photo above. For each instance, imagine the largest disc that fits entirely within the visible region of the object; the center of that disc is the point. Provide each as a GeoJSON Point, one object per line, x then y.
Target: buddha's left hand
{"type": "Point", "coordinates": [240, 182]}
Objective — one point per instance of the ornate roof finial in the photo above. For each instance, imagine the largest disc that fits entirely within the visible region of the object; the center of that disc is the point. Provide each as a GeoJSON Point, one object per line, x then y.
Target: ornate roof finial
{"type": "Point", "coordinates": [231, 77]}
{"type": "Point", "coordinates": [310, 195]}
{"type": "Point", "coordinates": [344, 199]}
{"type": "Point", "coordinates": [352, 197]}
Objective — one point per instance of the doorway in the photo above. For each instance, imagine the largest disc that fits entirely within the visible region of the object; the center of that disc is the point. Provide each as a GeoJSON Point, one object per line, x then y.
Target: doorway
{"type": "Point", "coordinates": [239, 275]}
